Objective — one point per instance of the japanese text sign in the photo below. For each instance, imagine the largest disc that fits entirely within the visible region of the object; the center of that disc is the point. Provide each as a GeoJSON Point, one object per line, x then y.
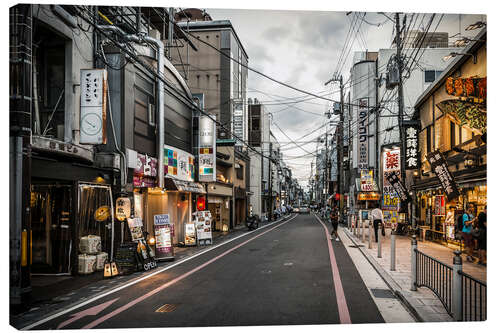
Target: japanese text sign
{"type": "Point", "coordinates": [398, 186]}
{"type": "Point", "coordinates": [440, 168]}
{"type": "Point", "coordinates": [411, 142]}
{"type": "Point", "coordinates": [363, 134]}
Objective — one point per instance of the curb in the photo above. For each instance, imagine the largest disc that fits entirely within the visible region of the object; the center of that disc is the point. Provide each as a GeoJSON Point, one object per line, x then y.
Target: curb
{"type": "Point", "coordinates": [408, 301]}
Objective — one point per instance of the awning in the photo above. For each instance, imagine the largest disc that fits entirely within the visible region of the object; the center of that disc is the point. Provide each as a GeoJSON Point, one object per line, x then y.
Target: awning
{"type": "Point", "coordinates": [183, 186]}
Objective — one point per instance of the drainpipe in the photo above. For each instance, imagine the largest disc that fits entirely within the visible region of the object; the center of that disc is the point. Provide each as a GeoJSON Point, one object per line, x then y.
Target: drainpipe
{"type": "Point", "coordinates": [140, 39]}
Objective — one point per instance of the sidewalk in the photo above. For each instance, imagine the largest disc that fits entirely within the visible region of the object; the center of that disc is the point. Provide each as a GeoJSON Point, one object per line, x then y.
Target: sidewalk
{"type": "Point", "coordinates": [425, 305]}
{"type": "Point", "coordinates": [48, 300]}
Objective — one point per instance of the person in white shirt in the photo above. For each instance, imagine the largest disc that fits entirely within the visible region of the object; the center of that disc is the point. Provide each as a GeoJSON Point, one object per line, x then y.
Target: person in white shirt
{"type": "Point", "coordinates": [377, 218]}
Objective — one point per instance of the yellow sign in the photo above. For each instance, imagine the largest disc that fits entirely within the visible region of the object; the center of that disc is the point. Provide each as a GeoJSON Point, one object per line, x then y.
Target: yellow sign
{"type": "Point", "coordinates": [102, 213]}
{"type": "Point", "coordinates": [368, 196]}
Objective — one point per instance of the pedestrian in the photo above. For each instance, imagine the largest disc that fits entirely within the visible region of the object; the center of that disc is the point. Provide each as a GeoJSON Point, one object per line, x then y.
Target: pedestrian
{"type": "Point", "coordinates": [481, 239]}
{"type": "Point", "coordinates": [334, 219]}
{"type": "Point", "coordinates": [377, 218]}
{"type": "Point", "coordinates": [468, 222]}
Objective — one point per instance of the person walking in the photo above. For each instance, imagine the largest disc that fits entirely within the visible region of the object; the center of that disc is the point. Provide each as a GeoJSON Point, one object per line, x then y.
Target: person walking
{"type": "Point", "coordinates": [334, 219]}
{"type": "Point", "coordinates": [468, 221]}
{"type": "Point", "coordinates": [377, 220]}
{"type": "Point", "coordinates": [481, 240]}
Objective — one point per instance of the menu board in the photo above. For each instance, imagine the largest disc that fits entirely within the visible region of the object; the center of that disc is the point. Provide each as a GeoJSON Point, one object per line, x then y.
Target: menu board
{"type": "Point", "coordinates": [135, 226]}
{"type": "Point", "coordinates": [203, 223]}
{"type": "Point", "coordinates": [163, 236]}
{"type": "Point", "coordinates": [189, 234]}
{"type": "Point", "coordinates": [126, 258]}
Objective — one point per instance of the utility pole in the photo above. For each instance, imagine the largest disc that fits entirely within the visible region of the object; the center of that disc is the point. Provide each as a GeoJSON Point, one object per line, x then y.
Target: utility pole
{"type": "Point", "coordinates": [270, 198]}
{"type": "Point", "coordinates": [401, 106]}
{"type": "Point", "coordinates": [340, 149]}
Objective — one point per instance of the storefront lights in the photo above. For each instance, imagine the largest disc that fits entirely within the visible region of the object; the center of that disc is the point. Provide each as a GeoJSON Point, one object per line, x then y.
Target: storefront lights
{"type": "Point", "coordinates": [151, 241]}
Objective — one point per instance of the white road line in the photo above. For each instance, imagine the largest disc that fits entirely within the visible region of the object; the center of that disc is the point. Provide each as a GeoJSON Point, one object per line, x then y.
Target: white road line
{"type": "Point", "coordinates": [60, 313]}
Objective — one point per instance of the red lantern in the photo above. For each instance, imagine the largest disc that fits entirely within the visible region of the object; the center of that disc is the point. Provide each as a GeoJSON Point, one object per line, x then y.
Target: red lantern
{"type": "Point", "coordinates": [200, 203]}
{"type": "Point", "coordinates": [337, 196]}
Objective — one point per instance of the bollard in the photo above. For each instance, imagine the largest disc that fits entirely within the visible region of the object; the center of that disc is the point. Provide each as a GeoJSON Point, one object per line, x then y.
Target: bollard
{"type": "Point", "coordinates": [379, 243]}
{"type": "Point", "coordinates": [413, 262]}
{"type": "Point", "coordinates": [393, 251]}
{"type": "Point", "coordinates": [456, 307]}
{"type": "Point", "coordinates": [369, 234]}
{"type": "Point", "coordinates": [363, 231]}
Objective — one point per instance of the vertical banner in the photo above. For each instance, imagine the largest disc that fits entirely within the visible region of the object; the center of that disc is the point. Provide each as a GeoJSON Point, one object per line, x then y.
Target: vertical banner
{"type": "Point", "coordinates": [163, 236]}
{"type": "Point", "coordinates": [93, 99]}
{"type": "Point", "coordinates": [363, 133]}
{"type": "Point", "coordinates": [411, 141]}
{"type": "Point", "coordinates": [440, 168]}
{"type": "Point", "coordinates": [238, 121]}
{"type": "Point", "coordinates": [398, 186]}
{"type": "Point", "coordinates": [207, 149]}
{"type": "Point", "coordinates": [390, 163]}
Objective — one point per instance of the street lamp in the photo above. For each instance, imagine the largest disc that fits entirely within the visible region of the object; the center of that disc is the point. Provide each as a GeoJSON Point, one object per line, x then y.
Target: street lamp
{"type": "Point", "coordinates": [475, 26]}
{"type": "Point", "coordinates": [464, 40]}
{"type": "Point", "coordinates": [454, 54]}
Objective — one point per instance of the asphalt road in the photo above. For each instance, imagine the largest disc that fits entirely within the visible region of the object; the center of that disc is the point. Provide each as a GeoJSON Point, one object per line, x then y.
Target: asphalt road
{"type": "Point", "coordinates": [286, 274]}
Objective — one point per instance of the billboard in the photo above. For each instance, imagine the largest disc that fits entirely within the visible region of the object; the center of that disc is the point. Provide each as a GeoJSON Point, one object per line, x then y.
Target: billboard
{"type": "Point", "coordinates": [390, 163]}
{"type": "Point", "coordinates": [178, 164]}
{"type": "Point", "coordinates": [206, 150]}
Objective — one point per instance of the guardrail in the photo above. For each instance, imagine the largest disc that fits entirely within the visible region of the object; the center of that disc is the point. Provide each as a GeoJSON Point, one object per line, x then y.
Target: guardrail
{"type": "Point", "coordinates": [463, 296]}
{"type": "Point", "coordinates": [437, 276]}
{"type": "Point", "coordinates": [473, 299]}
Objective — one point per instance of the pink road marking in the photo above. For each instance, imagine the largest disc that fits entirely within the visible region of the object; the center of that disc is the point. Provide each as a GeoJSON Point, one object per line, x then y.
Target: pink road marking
{"type": "Point", "coordinates": [345, 318]}
{"type": "Point", "coordinates": [177, 279]}
{"type": "Point", "coordinates": [93, 311]}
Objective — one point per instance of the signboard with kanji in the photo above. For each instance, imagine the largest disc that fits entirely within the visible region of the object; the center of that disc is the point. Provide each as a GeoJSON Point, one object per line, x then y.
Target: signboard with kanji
{"type": "Point", "coordinates": [397, 184]}
{"type": "Point", "coordinates": [363, 133]}
{"type": "Point", "coordinates": [440, 167]}
{"type": "Point", "coordinates": [390, 163]}
{"type": "Point", "coordinates": [411, 141]}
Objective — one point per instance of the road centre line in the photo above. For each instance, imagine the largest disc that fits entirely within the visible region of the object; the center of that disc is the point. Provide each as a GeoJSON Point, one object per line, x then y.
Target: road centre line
{"type": "Point", "coordinates": [344, 316]}
{"type": "Point", "coordinates": [60, 313]}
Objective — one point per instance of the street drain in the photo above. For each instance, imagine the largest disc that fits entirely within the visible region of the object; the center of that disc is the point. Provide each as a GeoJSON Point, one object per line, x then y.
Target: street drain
{"type": "Point", "coordinates": [382, 293]}
{"type": "Point", "coordinates": [253, 250]}
{"type": "Point", "coordinates": [361, 245]}
{"type": "Point", "coordinates": [167, 308]}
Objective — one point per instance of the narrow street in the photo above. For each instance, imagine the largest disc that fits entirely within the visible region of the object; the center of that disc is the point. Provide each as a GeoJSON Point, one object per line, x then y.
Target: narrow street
{"type": "Point", "coordinates": [279, 275]}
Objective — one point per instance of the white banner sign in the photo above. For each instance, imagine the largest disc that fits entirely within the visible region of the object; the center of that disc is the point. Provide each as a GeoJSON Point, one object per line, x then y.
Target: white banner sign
{"type": "Point", "coordinates": [207, 150]}
{"type": "Point", "coordinates": [363, 133]}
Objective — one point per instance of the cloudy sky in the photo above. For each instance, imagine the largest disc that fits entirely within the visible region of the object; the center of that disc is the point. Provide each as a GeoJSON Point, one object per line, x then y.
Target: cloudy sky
{"type": "Point", "coordinates": [302, 49]}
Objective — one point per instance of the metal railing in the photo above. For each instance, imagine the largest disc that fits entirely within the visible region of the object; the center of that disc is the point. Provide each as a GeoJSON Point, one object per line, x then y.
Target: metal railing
{"type": "Point", "coordinates": [437, 276]}
{"type": "Point", "coordinates": [473, 299]}
{"type": "Point", "coordinates": [463, 296]}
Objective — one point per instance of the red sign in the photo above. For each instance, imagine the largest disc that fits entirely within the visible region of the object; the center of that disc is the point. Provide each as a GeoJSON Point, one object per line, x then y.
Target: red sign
{"type": "Point", "coordinates": [337, 196]}
{"type": "Point", "coordinates": [200, 203]}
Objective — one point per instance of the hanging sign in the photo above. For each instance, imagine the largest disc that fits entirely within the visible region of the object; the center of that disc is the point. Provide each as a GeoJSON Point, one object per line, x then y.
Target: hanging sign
{"type": "Point", "coordinates": [390, 163]}
{"type": "Point", "coordinates": [93, 85]}
{"type": "Point", "coordinates": [122, 208]}
{"type": "Point", "coordinates": [398, 186]}
{"type": "Point", "coordinates": [367, 181]}
{"type": "Point", "coordinates": [102, 213]}
{"type": "Point", "coordinates": [163, 237]}
{"type": "Point", "coordinates": [440, 168]}
{"type": "Point", "coordinates": [363, 133]}
{"type": "Point", "coordinates": [207, 149]}
{"type": "Point", "coordinates": [411, 141]}
{"type": "Point", "coordinates": [439, 205]}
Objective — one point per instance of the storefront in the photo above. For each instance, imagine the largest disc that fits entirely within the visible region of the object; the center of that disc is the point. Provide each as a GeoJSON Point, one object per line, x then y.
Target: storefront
{"type": "Point", "coordinates": [452, 114]}
{"type": "Point", "coordinates": [71, 203]}
{"type": "Point", "coordinates": [220, 197]}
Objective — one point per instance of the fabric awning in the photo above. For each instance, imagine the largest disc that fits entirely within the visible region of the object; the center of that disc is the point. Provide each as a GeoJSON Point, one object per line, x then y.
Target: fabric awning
{"type": "Point", "coordinates": [183, 186]}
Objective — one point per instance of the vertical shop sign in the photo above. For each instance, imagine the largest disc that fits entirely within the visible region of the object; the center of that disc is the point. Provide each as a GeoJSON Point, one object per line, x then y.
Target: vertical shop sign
{"type": "Point", "coordinates": [238, 121]}
{"type": "Point", "coordinates": [411, 140]}
{"type": "Point", "coordinates": [163, 236]}
{"type": "Point", "coordinates": [363, 133]}
{"type": "Point", "coordinates": [93, 85]}
{"type": "Point", "coordinates": [439, 205]}
{"type": "Point", "coordinates": [440, 168]}
{"type": "Point", "coordinates": [390, 163]}
{"type": "Point", "coordinates": [207, 149]}
{"type": "Point", "coordinates": [398, 186]}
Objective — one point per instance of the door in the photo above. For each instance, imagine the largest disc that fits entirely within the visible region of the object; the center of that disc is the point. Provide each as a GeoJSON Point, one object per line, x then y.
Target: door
{"type": "Point", "coordinates": [51, 229]}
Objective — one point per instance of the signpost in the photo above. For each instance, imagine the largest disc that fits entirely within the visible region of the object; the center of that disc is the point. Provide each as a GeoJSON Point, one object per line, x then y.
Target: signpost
{"type": "Point", "coordinates": [164, 231]}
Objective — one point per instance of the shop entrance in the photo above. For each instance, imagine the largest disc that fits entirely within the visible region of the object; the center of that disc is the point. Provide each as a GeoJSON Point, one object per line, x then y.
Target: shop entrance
{"type": "Point", "coordinates": [51, 229]}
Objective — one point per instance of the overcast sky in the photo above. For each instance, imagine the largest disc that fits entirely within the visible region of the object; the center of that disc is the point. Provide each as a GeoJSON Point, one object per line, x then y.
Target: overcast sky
{"type": "Point", "coordinates": [302, 48]}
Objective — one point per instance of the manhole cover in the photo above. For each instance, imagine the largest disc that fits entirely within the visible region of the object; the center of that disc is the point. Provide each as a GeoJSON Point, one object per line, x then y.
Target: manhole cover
{"type": "Point", "coordinates": [253, 250]}
{"type": "Point", "coordinates": [167, 308]}
{"type": "Point", "coordinates": [382, 293]}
